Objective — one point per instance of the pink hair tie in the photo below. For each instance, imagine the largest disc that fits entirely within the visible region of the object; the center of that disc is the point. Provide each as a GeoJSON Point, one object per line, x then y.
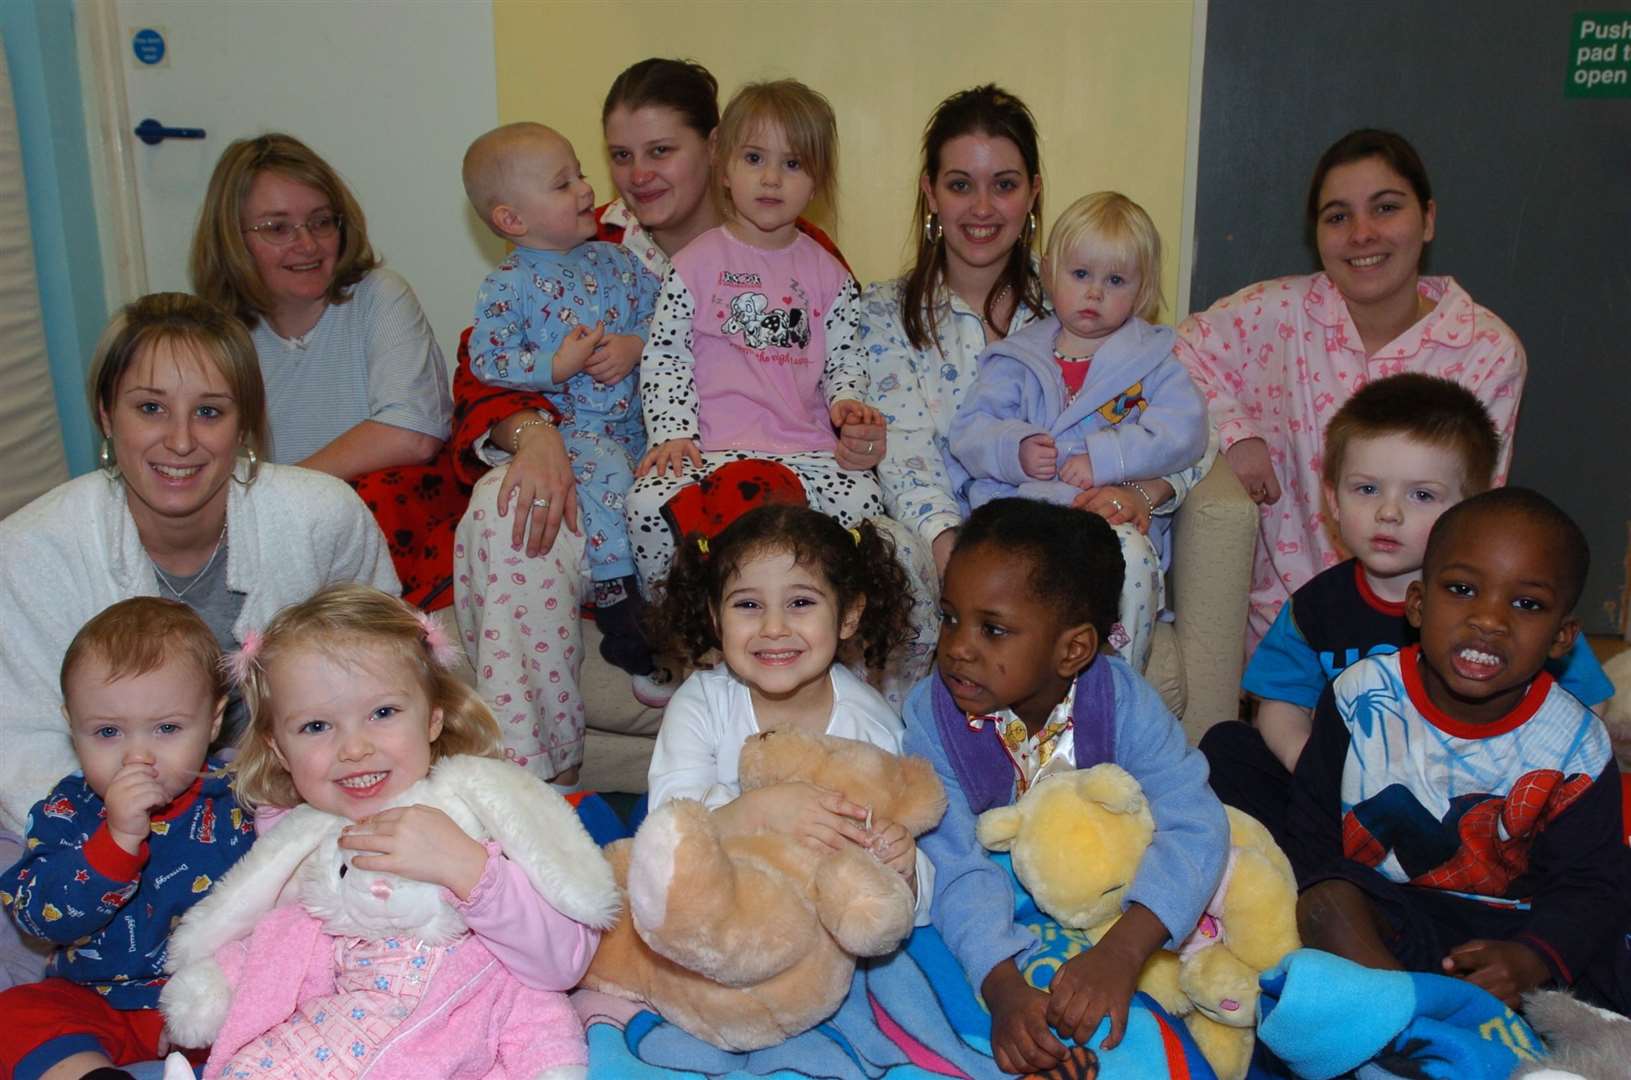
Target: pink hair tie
{"type": "Point", "coordinates": [242, 661]}
{"type": "Point", "coordinates": [442, 649]}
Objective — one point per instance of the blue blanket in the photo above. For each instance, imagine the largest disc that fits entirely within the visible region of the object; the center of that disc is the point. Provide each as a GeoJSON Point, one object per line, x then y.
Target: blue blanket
{"type": "Point", "coordinates": [911, 1015]}
{"type": "Point", "coordinates": [1326, 1016]}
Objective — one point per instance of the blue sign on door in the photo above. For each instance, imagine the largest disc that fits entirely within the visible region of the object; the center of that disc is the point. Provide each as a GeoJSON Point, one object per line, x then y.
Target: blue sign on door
{"type": "Point", "coordinates": [148, 44]}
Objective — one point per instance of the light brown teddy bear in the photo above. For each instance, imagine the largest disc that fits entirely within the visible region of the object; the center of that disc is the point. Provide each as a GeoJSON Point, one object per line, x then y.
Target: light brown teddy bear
{"type": "Point", "coordinates": [746, 941]}
{"type": "Point", "coordinates": [1076, 840]}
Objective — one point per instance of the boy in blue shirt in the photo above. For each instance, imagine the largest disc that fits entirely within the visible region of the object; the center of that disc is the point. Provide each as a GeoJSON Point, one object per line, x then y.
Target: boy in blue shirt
{"type": "Point", "coordinates": [1398, 454]}
{"type": "Point", "coordinates": [120, 849]}
{"type": "Point", "coordinates": [1455, 808]}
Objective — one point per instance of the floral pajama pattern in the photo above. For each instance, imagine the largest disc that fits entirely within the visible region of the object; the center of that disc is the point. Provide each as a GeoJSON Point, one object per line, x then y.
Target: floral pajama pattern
{"type": "Point", "coordinates": [377, 984]}
{"type": "Point", "coordinates": [519, 620]}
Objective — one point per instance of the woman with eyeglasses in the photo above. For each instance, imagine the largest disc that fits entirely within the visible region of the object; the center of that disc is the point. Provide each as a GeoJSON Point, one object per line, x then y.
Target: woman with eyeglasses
{"type": "Point", "coordinates": [356, 385]}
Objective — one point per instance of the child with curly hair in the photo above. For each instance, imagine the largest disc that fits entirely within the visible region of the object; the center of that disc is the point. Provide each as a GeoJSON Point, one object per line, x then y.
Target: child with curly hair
{"type": "Point", "coordinates": [781, 593]}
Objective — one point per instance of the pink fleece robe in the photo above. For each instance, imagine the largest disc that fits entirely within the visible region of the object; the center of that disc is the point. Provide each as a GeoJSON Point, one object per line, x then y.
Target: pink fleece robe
{"type": "Point", "coordinates": [493, 1009]}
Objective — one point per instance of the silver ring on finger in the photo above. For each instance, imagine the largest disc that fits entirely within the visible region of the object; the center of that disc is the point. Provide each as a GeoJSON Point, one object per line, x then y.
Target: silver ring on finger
{"type": "Point", "coordinates": [869, 445]}
{"type": "Point", "coordinates": [1117, 504]}
{"type": "Point", "coordinates": [540, 503]}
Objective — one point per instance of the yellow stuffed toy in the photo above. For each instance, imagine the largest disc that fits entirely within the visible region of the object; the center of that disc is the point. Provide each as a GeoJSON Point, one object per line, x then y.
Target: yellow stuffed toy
{"type": "Point", "coordinates": [1076, 840]}
{"type": "Point", "coordinates": [747, 941]}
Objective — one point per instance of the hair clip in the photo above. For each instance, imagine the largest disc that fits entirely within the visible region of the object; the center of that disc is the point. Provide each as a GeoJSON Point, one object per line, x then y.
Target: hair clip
{"type": "Point", "coordinates": [855, 534]}
{"type": "Point", "coordinates": [442, 649]}
{"type": "Point", "coordinates": [241, 662]}
{"type": "Point", "coordinates": [702, 545]}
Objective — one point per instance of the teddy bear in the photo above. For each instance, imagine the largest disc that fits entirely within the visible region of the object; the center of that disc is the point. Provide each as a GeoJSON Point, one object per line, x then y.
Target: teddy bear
{"type": "Point", "coordinates": [1076, 839]}
{"type": "Point", "coordinates": [746, 941]}
{"type": "Point", "coordinates": [259, 953]}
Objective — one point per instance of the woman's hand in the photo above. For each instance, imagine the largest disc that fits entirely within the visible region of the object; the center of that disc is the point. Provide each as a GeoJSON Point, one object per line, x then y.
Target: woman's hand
{"type": "Point", "coordinates": [1249, 458]}
{"type": "Point", "coordinates": [813, 815]}
{"type": "Point", "coordinates": [573, 354]}
{"type": "Point", "coordinates": [538, 483]}
{"type": "Point", "coordinates": [1077, 471]}
{"type": "Point", "coordinates": [1117, 504]}
{"type": "Point", "coordinates": [676, 455]}
{"type": "Point", "coordinates": [418, 842]}
{"type": "Point", "coordinates": [1038, 457]}
{"type": "Point", "coordinates": [617, 355]}
{"type": "Point", "coordinates": [861, 444]}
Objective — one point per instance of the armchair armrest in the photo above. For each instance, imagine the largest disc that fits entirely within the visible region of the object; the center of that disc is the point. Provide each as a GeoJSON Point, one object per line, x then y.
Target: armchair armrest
{"type": "Point", "coordinates": [1214, 536]}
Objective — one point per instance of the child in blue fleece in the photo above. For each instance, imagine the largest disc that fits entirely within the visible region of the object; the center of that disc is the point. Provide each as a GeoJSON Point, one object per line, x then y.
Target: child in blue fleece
{"type": "Point", "coordinates": [567, 317]}
{"type": "Point", "coordinates": [121, 848]}
{"type": "Point", "coordinates": [1021, 692]}
{"type": "Point", "coordinates": [1092, 396]}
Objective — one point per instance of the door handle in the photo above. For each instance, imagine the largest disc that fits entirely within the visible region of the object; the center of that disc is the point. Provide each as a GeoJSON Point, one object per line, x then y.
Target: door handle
{"type": "Point", "coordinates": [151, 132]}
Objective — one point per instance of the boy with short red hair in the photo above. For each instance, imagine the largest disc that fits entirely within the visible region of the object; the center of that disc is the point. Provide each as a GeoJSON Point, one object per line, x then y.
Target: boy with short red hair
{"type": "Point", "coordinates": [121, 848]}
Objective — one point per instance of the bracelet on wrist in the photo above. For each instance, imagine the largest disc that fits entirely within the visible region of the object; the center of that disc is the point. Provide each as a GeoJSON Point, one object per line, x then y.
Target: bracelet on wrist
{"type": "Point", "coordinates": [1149, 503]}
{"type": "Point", "coordinates": [541, 419]}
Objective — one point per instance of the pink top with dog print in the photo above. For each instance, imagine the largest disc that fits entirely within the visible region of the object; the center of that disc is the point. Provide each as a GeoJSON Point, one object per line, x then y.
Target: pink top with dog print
{"type": "Point", "coordinates": [1276, 360]}
{"type": "Point", "coordinates": [772, 342]}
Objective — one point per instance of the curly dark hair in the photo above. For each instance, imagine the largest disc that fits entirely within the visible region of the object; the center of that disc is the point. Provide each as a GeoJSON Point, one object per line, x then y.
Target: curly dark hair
{"type": "Point", "coordinates": [1076, 561]}
{"type": "Point", "coordinates": [859, 563]}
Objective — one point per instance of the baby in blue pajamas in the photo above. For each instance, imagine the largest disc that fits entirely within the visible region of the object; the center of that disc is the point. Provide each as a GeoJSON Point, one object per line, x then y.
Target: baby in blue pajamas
{"type": "Point", "coordinates": [567, 318]}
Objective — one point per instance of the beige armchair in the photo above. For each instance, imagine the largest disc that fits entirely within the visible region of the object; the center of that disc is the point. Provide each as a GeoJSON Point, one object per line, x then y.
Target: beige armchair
{"type": "Point", "coordinates": [1195, 660]}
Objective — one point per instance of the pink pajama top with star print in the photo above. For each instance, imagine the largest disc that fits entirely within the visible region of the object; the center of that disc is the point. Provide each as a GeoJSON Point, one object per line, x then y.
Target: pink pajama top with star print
{"type": "Point", "coordinates": [1276, 360]}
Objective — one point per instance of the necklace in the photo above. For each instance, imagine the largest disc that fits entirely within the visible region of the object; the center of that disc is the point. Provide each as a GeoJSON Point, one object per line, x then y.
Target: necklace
{"type": "Point", "coordinates": [996, 302]}
{"type": "Point", "coordinates": [179, 593]}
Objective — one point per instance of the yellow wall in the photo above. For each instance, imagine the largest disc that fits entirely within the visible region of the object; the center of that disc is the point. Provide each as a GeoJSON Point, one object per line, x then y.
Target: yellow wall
{"type": "Point", "coordinates": [1108, 82]}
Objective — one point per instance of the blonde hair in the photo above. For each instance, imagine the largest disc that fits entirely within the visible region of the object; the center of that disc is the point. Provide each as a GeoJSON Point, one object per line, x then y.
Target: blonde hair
{"type": "Point", "coordinates": [1118, 223]}
{"type": "Point", "coordinates": [338, 618]}
{"type": "Point", "coordinates": [142, 634]}
{"type": "Point", "coordinates": [499, 162]}
{"type": "Point", "coordinates": [221, 266]}
{"type": "Point", "coordinates": [806, 119]}
{"type": "Point", "coordinates": [210, 331]}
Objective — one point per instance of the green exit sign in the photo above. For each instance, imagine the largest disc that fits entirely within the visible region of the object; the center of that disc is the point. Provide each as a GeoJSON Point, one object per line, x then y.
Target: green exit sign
{"type": "Point", "coordinates": [1600, 55]}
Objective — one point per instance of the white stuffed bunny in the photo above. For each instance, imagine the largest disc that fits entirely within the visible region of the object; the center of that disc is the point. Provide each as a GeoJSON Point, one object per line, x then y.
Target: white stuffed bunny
{"type": "Point", "coordinates": [247, 963]}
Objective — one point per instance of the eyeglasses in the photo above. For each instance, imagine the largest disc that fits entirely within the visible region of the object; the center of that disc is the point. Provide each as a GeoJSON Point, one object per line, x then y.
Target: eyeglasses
{"type": "Point", "coordinates": [280, 233]}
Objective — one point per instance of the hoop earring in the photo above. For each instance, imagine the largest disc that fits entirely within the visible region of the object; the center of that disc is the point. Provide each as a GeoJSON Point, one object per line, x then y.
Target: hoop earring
{"type": "Point", "coordinates": [104, 457]}
{"type": "Point", "coordinates": [932, 232]}
{"type": "Point", "coordinates": [254, 465]}
{"type": "Point", "coordinates": [1030, 227]}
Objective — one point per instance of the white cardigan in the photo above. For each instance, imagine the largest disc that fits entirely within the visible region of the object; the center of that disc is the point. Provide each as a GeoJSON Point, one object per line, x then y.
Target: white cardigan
{"type": "Point", "coordinates": [73, 551]}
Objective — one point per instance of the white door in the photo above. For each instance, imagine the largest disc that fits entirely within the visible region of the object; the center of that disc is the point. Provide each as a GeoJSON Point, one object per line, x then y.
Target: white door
{"type": "Point", "coordinates": [390, 92]}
